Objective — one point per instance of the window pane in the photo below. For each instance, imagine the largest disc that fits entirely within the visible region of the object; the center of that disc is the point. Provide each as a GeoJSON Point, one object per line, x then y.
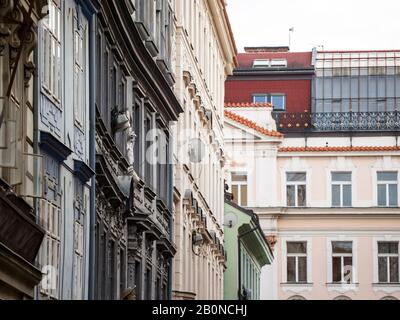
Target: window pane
{"type": "Point", "coordinates": [387, 176]}
{"type": "Point", "coordinates": [296, 176]}
{"type": "Point", "coordinates": [342, 246]}
{"type": "Point", "coordinates": [302, 269]}
{"type": "Point", "coordinates": [243, 195]}
{"type": "Point", "coordinates": [382, 269]}
{"type": "Point", "coordinates": [239, 177]}
{"type": "Point", "coordinates": [260, 99]}
{"type": "Point", "coordinates": [301, 195]}
{"type": "Point", "coordinates": [278, 102]}
{"type": "Point", "coordinates": [393, 195]}
{"type": "Point", "coordinates": [335, 195]}
{"type": "Point", "coordinates": [394, 269]}
{"type": "Point", "coordinates": [235, 193]}
{"type": "Point", "coordinates": [297, 247]}
{"type": "Point", "coordinates": [290, 196]}
{"type": "Point", "coordinates": [336, 269]}
{"type": "Point", "coordinates": [347, 195]}
{"type": "Point", "coordinates": [291, 269]}
{"type": "Point", "coordinates": [347, 269]}
{"type": "Point", "coordinates": [381, 194]}
{"type": "Point", "coordinates": [341, 176]}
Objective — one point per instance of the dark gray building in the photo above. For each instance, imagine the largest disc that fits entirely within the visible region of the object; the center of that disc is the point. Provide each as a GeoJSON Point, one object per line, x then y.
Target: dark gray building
{"type": "Point", "coordinates": [134, 106]}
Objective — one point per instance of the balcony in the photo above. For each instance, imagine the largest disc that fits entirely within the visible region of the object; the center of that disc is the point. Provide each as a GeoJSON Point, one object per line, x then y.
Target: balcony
{"type": "Point", "coordinates": [288, 122]}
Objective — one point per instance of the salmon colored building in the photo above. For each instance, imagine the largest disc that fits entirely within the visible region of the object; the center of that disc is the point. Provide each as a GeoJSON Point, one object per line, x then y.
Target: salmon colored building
{"type": "Point", "coordinates": [325, 183]}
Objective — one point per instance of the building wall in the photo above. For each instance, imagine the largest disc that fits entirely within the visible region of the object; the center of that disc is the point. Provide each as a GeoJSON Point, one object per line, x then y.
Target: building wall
{"type": "Point", "coordinates": [298, 92]}
{"type": "Point", "coordinates": [204, 57]}
{"type": "Point", "coordinates": [64, 116]}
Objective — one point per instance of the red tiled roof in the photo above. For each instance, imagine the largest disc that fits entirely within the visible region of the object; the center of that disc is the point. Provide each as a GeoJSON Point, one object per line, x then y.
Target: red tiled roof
{"type": "Point", "coordinates": [339, 149]}
{"type": "Point", "coordinates": [251, 124]}
{"type": "Point", "coordinates": [247, 105]}
{"type": "Point", "coordinates": [295, 60]}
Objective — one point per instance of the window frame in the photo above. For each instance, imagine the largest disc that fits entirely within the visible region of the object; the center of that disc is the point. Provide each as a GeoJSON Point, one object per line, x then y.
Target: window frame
{"type": "Point", "coordinates": [388, 256]}
{"type": "Point", "coordinates": [296, 184]}
{"type": "Point", "coordinates": [240, 185]}
{"type": "Point", "coordinates": [342, 256]}
{"type": "Point", "coordinates": [341, 184]}
{"type": "Point", "coordinates": [297, 256]}
{"type": "Point", "coordinates": [387, 184]}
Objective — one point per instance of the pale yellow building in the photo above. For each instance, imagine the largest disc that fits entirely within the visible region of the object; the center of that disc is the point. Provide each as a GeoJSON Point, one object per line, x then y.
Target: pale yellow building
{"type": "Point", "coordinates": [205, 56]}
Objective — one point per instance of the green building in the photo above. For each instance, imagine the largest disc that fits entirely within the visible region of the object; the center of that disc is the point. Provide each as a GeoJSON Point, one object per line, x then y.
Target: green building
{"type": "Point", "coordinates": [247, 252]}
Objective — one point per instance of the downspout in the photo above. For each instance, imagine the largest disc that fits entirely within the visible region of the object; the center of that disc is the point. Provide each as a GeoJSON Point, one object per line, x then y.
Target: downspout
{"type": "Point", "coordinates": [240, 236]}
{"type": "Point", "coordinates": [92, 156]}
{"type": "Point", "coordinates": [171, 207]}
{"type": "Point", "coordinates": [36, 104]}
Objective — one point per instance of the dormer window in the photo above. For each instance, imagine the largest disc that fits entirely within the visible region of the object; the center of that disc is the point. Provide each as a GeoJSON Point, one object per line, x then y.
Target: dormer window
{"type": "Point", "coordinates": [267, 63]}
{"type": "Point", "coordinates": [261, 63]}
{"type": "Point", "coordinates": [278, 63]}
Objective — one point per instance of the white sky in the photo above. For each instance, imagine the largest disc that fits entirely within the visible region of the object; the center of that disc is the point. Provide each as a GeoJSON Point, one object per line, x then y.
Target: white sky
{"type": "Point", "coordinates": [335, 24]}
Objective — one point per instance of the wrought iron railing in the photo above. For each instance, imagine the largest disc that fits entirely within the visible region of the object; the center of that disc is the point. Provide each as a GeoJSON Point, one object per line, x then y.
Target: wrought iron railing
{"type": "Point", "coordinates": [338, 121]}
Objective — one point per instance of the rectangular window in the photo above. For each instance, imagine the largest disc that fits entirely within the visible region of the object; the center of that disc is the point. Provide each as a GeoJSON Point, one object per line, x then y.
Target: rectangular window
{"type": "Point", "coordinates": [296, 262]}
{"type": "Point", "coordinates": [51, 71]}
{"type": "Point", "coordinates": [278, 101]}
{"type": "Point", "coordinates": [342, 261]}
{"type": "Point", "coordinates": [239, 188]}
{"type": "Point", "coordinates": [79, 239]}
{"type": "Point", "coordinates": [261, 63]}
{"type": "Point", "coordinates": [387, 189]}
{"type": "Point", "coordinates": [341, 189]}
{"type": "Point", "coordinates": [80, 36]}
{"type": "Point", "coordinates": [388, 262]}
{"type": "Point", "coordinates": [259, 98]}
{"type": "Point", "coordinates": [296, 189]}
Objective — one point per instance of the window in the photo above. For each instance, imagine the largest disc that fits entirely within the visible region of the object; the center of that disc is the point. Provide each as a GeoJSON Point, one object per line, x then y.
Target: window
{"type": "Point", "coordinates": [239, 188]}
{"type": "Point", "coordinates": [51, 71]}
{"type": "Point", "coordinates": [278, 102]}
{"type": "Point", "coordinates": [342, 261]}
{"type": "Point", "coordinates": [50, 217]}
{"type": "Point", "coordinates": [296, 189]}
{"type": "Point", "coordinates": [79, 70]}
{"type": "Point", "coordinates": [296, 262]}
{"type": "Point", "coordinates": [388, 262]}
{"type": "Point", "coordinates": [278, 63]}
{"type": "Point", "coordinates": [79, 242]}
{"type": "Point", "coordinates": [259, 98]}
{"type": "Point", "coordinates": [261, 63]}
{"type": "Point", "coordinates": [341, 189]}
{"type": "Point", "coordinates": [387, 189]}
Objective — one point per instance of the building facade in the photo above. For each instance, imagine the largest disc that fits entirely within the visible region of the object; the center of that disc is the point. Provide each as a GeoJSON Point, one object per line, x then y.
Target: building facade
{"type": "Point", "coordinates": [247, 251]}
{"type": "Point", "coordinates": [326, 190]}
{"type": "Point", "coordinates": [63, 138]}
{"type": "Point", "coordinates": [20, 233]}
{"type": "Point", "coordinates": [205, 55]}
{"type": "Point", "coordinates": [135, 104]}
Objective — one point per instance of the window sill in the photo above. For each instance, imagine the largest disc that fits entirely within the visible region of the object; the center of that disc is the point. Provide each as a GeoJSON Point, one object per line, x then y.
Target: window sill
{"type": "Point", "coordinates": [386, 287]}
{"type": "Point", "coordinates": [297, 287]}
{"type": "Point", "coordinates": [342, 287]}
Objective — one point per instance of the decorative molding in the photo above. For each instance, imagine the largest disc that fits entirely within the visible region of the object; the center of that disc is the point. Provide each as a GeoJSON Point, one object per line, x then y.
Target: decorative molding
{"type": "Point", "coordinates": [83, 171]}
{"type": "Point", "coordinates": [54, 146]}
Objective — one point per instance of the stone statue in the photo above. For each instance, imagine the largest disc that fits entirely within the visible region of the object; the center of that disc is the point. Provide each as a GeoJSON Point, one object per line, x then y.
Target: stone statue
{"type": "Point", "coordinates": [130, 146]}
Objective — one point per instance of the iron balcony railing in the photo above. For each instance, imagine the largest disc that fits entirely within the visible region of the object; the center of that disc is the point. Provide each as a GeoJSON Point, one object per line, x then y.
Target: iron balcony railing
{"type": "Point", "coordinates": [338, 121]}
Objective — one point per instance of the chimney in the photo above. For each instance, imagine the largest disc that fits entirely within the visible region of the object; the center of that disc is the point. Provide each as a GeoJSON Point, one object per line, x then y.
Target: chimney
{"type": "Point", "coordinates": [266, 49]}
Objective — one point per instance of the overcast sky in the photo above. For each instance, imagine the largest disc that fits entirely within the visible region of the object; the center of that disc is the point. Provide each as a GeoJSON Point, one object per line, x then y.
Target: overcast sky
{"type": "Point", "coordinates": [335, 24]}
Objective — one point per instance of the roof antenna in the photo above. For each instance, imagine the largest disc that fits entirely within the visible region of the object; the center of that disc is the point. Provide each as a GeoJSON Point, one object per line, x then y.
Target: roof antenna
{"type": "Point", "coordinates": [291, 30]}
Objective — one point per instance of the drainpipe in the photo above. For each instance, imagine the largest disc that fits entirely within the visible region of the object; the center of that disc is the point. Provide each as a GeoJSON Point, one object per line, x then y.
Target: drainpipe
{"type": "Point", "coordinates": [239, 237]}
{"type": "Point", "coordinates": [92, 157]}
{"type": "Point", "coordinates": [36, 104]}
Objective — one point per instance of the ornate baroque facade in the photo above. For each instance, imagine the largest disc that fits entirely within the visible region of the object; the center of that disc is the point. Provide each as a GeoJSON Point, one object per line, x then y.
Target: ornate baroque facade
{"type": "Point", "coordinates": [134, 107]}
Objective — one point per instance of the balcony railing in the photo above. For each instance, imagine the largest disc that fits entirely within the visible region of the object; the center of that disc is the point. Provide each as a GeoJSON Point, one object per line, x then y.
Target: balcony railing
{"type": "Point", "coordinates": [338, 121]}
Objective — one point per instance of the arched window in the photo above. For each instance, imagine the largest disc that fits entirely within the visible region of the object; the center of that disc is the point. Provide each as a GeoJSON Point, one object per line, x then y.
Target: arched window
{"type": "Point", "coordinates": [297, 298]}
{"type": "Point", "coordinates": [342, 298]}
{"type": "Point", "coordinates": [389, 298]}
